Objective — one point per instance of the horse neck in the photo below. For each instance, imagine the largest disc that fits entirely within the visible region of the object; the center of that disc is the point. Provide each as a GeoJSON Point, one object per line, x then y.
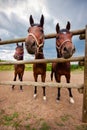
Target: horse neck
{"type": "Point", "coordinates": [39, 56]}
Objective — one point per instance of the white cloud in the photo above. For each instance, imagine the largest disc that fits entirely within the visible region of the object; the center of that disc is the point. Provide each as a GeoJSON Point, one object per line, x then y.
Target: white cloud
{"type": "Point", "coordinates": [14, 15]}
{"type": "Point", "coordinates": [17, 12]}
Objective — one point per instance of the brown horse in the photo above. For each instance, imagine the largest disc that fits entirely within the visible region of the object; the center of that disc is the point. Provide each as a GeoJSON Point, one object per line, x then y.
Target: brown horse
{"type": "Point", "coordinates": [64, 48]}
{"type": "Point", "coordinates": [36, 39]}
{"type": "Point", "coordinates": [19, 68]}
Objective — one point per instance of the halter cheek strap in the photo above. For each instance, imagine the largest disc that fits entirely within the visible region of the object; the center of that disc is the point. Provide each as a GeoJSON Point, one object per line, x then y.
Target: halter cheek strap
{"type": "Point", "coordinates": [18, 55]}
{"type": "Point", "coordinates": [62, 44]}
{"type": "Point", "coordinates": [39, 45]}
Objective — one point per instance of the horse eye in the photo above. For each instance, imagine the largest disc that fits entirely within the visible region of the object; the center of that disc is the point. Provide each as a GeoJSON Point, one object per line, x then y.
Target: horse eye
{"type": "Point", "coordinates": [57, 38]}
{"type": "Point", "coordinates": [41, 31]}
{"type": "Point", "coordinates": [28, 29]}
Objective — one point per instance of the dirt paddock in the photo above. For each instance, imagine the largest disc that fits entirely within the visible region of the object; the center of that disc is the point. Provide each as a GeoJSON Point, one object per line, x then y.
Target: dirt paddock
{"type": "Point", "coordinates": [19, 111]}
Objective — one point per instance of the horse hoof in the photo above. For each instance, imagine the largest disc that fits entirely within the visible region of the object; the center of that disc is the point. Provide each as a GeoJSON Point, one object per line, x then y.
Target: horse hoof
{"type": "Point", "coordinates": [57, 100]}
{"type": "Point", "coordinates": [35, 95]}
{"type": "Point", "coordinates": [21, 90]}
{"type": "Point", "coordinates": [44, 98]}
{"type": "Point", "coordinates": [12, 88]}
{"type": "Point", "coordinates": [71, 100]}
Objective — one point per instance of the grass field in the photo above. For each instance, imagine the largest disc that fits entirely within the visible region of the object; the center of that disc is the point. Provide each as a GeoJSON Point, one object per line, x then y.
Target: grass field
{"type": "Point", "coordinates": [28, 67]}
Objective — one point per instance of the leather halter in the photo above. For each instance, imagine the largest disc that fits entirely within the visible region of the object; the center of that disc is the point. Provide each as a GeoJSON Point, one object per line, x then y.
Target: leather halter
{"type": "Point", "coordinates": [62, 44]}
{"type": "Point", "coordinates": [60, 47]}
{"type": "Point", "coordinates": [38, 45]}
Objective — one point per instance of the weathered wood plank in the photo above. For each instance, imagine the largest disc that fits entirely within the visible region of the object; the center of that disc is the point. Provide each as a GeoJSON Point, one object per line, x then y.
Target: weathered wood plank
{"type": "Point", "coordinates": [82, 36]}
{"type": "Point", "coordinates": [72, 59]}
{"type": "Point", "coordinates": [84, 115]}
{"type": "Point", "coordinates": [48, 36]}
{"type": "Point", "coordinates": [40, 84]}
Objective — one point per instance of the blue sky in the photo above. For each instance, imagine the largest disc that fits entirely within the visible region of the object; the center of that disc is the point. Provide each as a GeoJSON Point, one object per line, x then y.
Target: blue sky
{"type": "Point", "coordinates": [14, 18]}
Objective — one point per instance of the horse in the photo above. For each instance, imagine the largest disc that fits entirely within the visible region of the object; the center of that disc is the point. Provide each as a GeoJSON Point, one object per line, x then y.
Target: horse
{"type": "Point", "coordinates": [19, 68]}
{"type": "Point", "coordinates": [35, 41]}
{"type": "Point", "coordinates": [65, 49]}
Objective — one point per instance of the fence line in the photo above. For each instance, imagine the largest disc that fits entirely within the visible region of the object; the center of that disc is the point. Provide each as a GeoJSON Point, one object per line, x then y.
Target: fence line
{"type": "Point", "coordinates": [40, 84]}
{"type": "Point", "coordinates": [48, 36]}
{"type": "Point", "coordinates": [72, 59]}
{"type": "Point", "coordinates": [83, 34]}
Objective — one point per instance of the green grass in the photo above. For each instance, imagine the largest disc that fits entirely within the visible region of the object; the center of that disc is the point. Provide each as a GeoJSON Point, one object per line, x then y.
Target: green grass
{"type": "Point", "coordinates": [9, 119]}
{"type": "Point", "coordinates": [65, 117]}
{"type": "Point", "coordinates": [28, 67]}
{"type": "Point", "coordinates": [77, 67]}
{"type": "Point", "coordinates": [81, 127]}
{"type": "Point", "coordinates": [13, 121]}
{"type": "Point", "coordinates": [45, 126]}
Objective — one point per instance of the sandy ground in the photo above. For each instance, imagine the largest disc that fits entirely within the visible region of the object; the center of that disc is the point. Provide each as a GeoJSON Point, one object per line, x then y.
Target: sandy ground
{"type": "Point", "coordinates": [33, 113]}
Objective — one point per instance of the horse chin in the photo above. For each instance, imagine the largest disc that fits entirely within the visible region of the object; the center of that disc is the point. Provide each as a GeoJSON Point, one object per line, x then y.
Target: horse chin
{"type": "Point", "coordinates": [30, 48]}
{"type": "Point", "coordinates": [66, 55]}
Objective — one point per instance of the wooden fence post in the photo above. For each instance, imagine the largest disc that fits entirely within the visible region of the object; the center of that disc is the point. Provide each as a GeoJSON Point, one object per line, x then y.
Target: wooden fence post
{"type": "Point", "coordinates": [84, 111]}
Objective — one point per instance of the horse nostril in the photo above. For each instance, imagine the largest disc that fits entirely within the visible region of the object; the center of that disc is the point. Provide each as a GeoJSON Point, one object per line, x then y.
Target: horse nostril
{"type": "Point", "coordinates": [33, 44]}
{"type": "Point", "coordinates": [26, 44]}
{"type": "Point", "coordinates": [65, 49]}
{"type": "Point", "coordinates": [74, 50]}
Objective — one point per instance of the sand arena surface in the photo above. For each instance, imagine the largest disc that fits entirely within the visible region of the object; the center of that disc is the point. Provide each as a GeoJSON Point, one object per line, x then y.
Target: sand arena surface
{"type": "Point", "coordinates": [34, 112]}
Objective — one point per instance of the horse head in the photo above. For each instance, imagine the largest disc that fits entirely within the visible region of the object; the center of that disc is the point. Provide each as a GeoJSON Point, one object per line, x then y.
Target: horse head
{"type": "Point", "coordinates": [64, 45]}
{"type": "Point", "coordinates": [19, 52]}
{"type": "Point", "coordinates": [35, 39]}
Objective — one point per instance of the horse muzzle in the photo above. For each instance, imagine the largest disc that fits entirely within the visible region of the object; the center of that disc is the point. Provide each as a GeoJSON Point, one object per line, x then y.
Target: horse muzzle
{"type": "Point", "coordinates": [68, 52]}
{"type": "Point", "coordinates": [30, 47]}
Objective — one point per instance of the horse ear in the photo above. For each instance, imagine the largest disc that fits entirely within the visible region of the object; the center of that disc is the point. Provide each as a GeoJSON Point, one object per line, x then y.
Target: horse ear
{"type": "Point", "coordinates": [42, 20]}
{"type": "Point", "coordinates": [17, 44]}
{"type": "Point", "coordinates": [57, 28]}
{"type": "Point", "coordinates": [68, 25]}
{"type": "Point", "coordinates": [22, 44]}
{"type": "Point", "coordinates": [31, 20]}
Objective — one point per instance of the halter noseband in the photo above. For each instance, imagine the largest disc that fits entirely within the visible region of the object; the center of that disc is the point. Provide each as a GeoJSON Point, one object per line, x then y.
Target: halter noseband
{"type": "Point", "coordinates": [39, 45]}
{"type": "Point", "coordinates": [63, 43]}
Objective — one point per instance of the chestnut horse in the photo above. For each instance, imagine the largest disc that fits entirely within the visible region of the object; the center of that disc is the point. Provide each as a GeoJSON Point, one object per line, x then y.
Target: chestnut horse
{"type": "Point", "coordinates": [35, 41]}
{"type": "Point", "coordinates": [65, 49]}
{"type": "Point", "coordinates": [19, 68]}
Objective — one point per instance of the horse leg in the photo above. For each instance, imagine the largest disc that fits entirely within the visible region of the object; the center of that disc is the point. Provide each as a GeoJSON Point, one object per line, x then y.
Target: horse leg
{"type": "Point", "coordinates": [20, 78]}
{"type": "Point", "coordinates": [35, 88]}
{"type": "Point", "coordinates": [14, 80]}
{"type": "Point", "coordinates": [51, 75]}
{"type": "Point", "coordinates": [58, 93]}
{"type": "Point", "coordinates": [69, 89]}
{"type": "Point", "coordinates": [44, 92]}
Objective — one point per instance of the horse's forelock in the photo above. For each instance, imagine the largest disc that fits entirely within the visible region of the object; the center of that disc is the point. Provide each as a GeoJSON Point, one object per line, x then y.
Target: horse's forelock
{"type": "Point", "coordinates": [64, 31]}
{"type": "Point", "coordinates": [35, 24]}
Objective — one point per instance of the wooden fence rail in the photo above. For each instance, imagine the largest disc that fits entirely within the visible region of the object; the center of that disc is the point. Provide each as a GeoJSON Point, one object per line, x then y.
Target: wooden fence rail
{"type": "Point", "coordinates": [72, 59]}
{"type": "Point", "coordinates": [77, 32]}
{"type": "Point", "coordinates": [40, 84]}
{"type": "Point", "coordinates": [82, 36]}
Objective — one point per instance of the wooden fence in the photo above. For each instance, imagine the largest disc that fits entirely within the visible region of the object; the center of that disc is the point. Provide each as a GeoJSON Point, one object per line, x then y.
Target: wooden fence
{"type": "Point", "coordinates": [83, 35]}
